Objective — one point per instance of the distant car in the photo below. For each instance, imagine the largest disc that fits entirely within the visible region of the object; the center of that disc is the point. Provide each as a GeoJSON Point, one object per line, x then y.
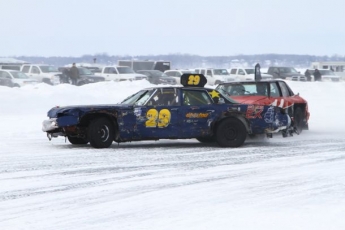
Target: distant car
{"type": "Point", "coordinates": [4, 81]}
{"type": "Point", "coordinates": [169, 112]}
{"type": "Point", "coordinates": [326, 75]}
{"type": "Point", "coordinates": [158, 77]}
{"type": "Point", "coordinates": [85, 76]}
{"type": "Point", "coordinates": [247, 74]}
{"type": "Point", "coordinates": [286, 73]}
{"type": "Point", "coordinates": [42, 72]}
{"type": "Point", "coordinates": [215, 76]}
{"type": "Point", "coordinates": [17, 78]}
{"type": "Point", "coordinates": [270, 92]}
{"type": "Point", "coordinates": [177, 74]}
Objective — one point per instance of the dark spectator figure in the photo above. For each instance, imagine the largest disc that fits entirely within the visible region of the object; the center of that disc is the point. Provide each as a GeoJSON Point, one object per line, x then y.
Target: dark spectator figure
{"type": "Point", "coordinates": [317, 75]}
{"type": "Point", "coordinates": [332, 69]}
{"type": "Point", "coordinates": [74, 74]}
{"type": "Point", "coordinates": [307, 75]}
{"type": "Point", "coordinates": [65, 76]}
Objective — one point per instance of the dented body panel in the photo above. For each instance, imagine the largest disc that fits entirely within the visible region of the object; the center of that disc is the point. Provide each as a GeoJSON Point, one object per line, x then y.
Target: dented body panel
{"type": "Point", "coordinates": [166, 113]}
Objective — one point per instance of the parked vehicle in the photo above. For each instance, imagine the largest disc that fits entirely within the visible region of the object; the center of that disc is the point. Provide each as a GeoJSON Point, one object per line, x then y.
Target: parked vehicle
{"type": "Point", "coordinates": [85, 76]}
{"type": "Point", "coordinates": [119, 73]}
{"type": "Point", "coordinates": [158, 77]}
{"type": "Point", "coordinates": [270, 92]}
{"type": "Point", "coordinates": [247, 74]}
{"type": "Point", "coordinates": [177, 73]}
{"type": "Point", "coordinates": [169, 112]}
{"type": "Point", "coordinates": [137, 65]}
{"type": "Point", "coordinates": [4, 81]}
{"type": "Point", "coordinates": [17, 78]}
{"type": "Point", "coordinates": [287, 73]}
{"type": "Point", "coordinates": [215, 76]}
{"type": "Point", "coordinates": [326, 75]}
{"type": "Point", "coordinates": [43, 73]}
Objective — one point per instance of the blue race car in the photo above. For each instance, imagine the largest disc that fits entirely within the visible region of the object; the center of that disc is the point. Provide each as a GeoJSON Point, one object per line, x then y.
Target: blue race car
{"type": "Point", "coordinates": [191, 111]}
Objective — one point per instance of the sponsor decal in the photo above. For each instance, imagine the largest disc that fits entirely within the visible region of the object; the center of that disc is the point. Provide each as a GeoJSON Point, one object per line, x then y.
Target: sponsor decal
{"type": "Point", "coordinates": [254, 111]}
{"type": "Point", "coordinates": [197, 115]}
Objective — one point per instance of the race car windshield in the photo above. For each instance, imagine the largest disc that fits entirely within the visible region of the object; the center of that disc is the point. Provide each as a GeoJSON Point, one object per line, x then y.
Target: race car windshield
{"type": "Point", "coordinates": [133, 98]}
{"type": "Point", "coordinates": [224, 93]}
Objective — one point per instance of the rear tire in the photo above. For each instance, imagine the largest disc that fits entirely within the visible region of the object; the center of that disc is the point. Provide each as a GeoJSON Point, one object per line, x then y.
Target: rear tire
{"type": "Point", "coordinates": [77, 140]}
{"type": "Point", "coordinates": [101, 133]}
{"type": "Point", "coordinates": [298, 120]}
{"type": "Point", "coordinates": [231, 133]}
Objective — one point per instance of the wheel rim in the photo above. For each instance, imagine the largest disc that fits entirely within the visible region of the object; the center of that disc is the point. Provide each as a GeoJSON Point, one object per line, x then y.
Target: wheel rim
{"type": "Point", "coordinates": [230, 132]}
{"type": "Point", "coordinates": [104, 133]}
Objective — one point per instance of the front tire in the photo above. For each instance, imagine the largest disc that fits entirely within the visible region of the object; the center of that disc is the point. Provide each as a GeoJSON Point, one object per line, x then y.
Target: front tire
{"type": "Point", "coordinates": [77, 140]}
{"type": "Point", "coordinates": [101, 133]}
{"type": "Point", "coordinates": [231, 133]}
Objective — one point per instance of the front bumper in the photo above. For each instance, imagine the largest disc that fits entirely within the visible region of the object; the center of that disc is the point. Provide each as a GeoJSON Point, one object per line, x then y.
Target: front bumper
{"type": "Point", "coordinates": [49, 125]}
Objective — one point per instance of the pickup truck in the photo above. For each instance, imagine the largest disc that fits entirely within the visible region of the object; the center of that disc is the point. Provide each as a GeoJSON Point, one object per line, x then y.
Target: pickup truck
{"type": "Point", "coordinates": [42, 73]}
{"type": "Point", "coordinates": [215, 76]}
{"type": "Point", "coordinates": [287, 73]}
{"type": "Point", "coordinates": [247, 74]}
{"type": "Point", "coordinates": [119, 73]}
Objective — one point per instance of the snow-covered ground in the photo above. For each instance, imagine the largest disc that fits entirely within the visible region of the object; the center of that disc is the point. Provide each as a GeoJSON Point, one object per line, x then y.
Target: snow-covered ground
{"type": "Point", "coordinates": [280, 183]}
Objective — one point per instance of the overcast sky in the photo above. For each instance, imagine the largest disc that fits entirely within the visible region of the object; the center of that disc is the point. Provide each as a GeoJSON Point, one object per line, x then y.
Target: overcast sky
{"type": "Point", "coordinates": [153, 27]}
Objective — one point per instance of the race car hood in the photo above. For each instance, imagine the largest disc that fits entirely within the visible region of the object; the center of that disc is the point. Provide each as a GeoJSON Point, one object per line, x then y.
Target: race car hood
{"type": "Point", "coordinates": [79, 110]}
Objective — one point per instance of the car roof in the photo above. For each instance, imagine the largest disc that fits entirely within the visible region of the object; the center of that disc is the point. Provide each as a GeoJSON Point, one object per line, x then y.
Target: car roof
{"type": "Point", "coordinates": [253, 81]}
{"type": "Point", "coordinates": [11, 70]}
{"type": "Point", "coordinates": [178, 87]}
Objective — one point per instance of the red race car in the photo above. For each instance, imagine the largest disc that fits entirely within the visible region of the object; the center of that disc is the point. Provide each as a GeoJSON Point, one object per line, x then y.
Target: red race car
{"type": "Point", "coordinates": [270, 92]}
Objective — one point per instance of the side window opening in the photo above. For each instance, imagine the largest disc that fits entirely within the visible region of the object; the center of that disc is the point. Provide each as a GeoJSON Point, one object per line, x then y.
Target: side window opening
{"type": "Point", "coordinates": [196, 98]}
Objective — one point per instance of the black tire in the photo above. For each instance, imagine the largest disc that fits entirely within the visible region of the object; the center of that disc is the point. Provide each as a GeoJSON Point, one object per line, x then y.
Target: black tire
{"type": "Point", "coordinates": [298, 120]}
{"type": "Point", "coordinates": [101, 133]}
{"type": "Point", "coordinates": [47, 81]}
{"type": "Point", "coordinates": [81, 83]}
{"type": "Point", "coordinates": [77, 140]}
{"type": "Point", "coordinates": [231, 133]}
{"type": "Point", "coordinates": [16, 85]}
{"type": "Point", "coordinates": [206, 139]}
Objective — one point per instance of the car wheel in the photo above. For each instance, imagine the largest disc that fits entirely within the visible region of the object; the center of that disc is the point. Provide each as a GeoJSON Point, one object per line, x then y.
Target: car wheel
{"type": "Point", "coordinates": [47, 81]}
{"type": "Point", "coordinates": [101, 133]}
{"type": "Point", "coordinates": [81, 83]}
{"type": "Point", "coordinates": [206, 139]}
{"type": "Point", "coordinates": [231, 133]}
{"type": "Point", "coordinates": [16, 85]}
{"type": "Point", "coordinates": [298, 120]}
{"type": "Point", "coordinates": [77, 140]}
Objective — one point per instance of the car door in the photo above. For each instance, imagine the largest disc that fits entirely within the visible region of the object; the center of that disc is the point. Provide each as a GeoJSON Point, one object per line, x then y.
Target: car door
{"type": "Point", "coordinates": [159, 117]}
{"type": "Point", "coordinates": [110, 74]}
{"type": "Point", "coordinates": [195, 114]}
